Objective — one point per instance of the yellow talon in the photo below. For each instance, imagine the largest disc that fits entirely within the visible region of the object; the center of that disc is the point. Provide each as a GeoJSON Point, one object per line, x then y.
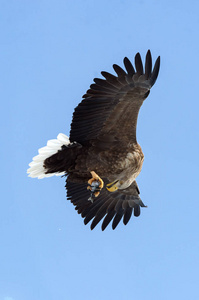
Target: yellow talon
{"type": "Point", "coordinates": [95, 177]}
{"type": "Point", "coordinates": [96, 194]}
{"type": "Point", "coordinates": [91, 183]}
{"type": "Point", "coordinates": [112, 186]}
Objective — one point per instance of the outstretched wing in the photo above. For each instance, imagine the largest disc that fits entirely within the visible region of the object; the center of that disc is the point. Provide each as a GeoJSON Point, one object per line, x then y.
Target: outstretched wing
{"type": "Point", "coordinates": [110, 107]}
{"type": "Point", "coordinates": [110, 206]}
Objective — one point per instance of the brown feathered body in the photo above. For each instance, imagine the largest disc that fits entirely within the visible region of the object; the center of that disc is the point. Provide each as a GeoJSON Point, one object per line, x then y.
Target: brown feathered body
{"type": "Point", "coordinates": [103, 139]}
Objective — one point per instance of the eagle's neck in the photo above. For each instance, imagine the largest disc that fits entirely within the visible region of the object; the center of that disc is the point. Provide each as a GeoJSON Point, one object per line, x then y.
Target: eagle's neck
{"type": "Point", "coordinates": [132, 166]}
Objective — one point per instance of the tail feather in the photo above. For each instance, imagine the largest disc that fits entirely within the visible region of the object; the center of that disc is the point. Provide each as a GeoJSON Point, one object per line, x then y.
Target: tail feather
{"type": "Point", "coordinates": [37, 168]}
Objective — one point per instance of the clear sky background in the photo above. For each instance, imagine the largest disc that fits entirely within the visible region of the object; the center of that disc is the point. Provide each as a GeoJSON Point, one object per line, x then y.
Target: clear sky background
{"type": "Point", "coordinates": [50, 53]}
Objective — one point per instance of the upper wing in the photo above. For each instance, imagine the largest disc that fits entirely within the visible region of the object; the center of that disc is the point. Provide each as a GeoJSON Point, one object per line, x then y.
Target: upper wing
{"type": "Point", "coordinates": [107, 205]}
{"type": "Point", "coordinates": [111, 106]}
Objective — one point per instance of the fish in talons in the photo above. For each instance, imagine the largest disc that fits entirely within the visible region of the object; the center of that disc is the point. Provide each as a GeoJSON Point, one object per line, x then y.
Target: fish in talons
{"type": "Point", "coordinates": [95, 184]}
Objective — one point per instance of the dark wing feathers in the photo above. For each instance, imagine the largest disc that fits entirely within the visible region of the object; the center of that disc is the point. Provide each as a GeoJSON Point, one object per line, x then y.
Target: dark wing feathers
{"type": "Point", "coordinates": [138, 64]}
{"type": "Point", "coordinates": [107, 100]}
{"type": "Point", "coordinates": [118, 217]}
{"type": "Point", "coordinates": [105, 83]}
{"type": "Point", "coordinates": [108, 218]}
{"type": "Point", "coordinates": [137, 211]}
{"type": "Point", "coordinates": [155, 72]}
{"type": "Point", "coordinates": [129, 67]}
{"type": "Point", "coordinates": [116, 206]}
{"type": "Point", "coordinates": [120, 72]}
{"type": "Point", "coordinates": [148, 64]}
{"type": "Point", "coordinates": [111, 79]}
{"type": "Point", "coordinates": [127, 215]}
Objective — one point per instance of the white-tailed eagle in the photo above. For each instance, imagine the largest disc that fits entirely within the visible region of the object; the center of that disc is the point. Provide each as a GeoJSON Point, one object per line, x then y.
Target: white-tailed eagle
{"type": "Point", "coordinates": [101, 158]}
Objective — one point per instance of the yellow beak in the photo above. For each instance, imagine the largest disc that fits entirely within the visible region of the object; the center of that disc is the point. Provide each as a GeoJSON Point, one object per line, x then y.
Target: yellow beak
{"type": "Point", "coordinates": [112, 186]}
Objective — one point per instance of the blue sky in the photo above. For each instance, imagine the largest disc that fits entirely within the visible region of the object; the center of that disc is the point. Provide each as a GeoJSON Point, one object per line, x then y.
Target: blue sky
{"type": "Point", "coordinates": [50, 53]}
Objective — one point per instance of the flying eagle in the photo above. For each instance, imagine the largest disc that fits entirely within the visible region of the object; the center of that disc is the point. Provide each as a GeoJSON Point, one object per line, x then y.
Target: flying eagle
{"type": "Point", "coordinates": [101, 158]}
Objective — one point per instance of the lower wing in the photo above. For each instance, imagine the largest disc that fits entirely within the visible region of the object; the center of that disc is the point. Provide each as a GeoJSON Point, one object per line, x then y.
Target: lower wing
{"type": "Point", "coordinates": [115, 205]}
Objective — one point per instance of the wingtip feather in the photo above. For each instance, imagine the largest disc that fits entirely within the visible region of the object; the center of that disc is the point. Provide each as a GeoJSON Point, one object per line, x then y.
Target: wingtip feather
{"type": "Point", "coordinates": [138, 64]}
{"type": "Point", "coordinates": [155, 71]}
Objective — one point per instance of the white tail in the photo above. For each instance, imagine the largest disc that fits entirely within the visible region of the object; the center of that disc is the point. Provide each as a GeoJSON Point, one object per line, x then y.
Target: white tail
{"type": "Point", "coordinates": [36, 166]}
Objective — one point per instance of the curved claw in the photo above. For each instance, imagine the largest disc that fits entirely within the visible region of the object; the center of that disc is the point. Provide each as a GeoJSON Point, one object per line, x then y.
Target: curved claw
{"type": "Point", "coordinates": [95, 184]}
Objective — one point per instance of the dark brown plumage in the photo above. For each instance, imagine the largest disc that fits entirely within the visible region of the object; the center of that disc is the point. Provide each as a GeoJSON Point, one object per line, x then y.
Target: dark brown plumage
{"type": "Point", "coordinates": [103, 140]}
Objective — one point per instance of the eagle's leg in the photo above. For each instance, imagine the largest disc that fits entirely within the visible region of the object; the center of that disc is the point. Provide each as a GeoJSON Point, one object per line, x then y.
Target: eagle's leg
{"type": "Point", "coordinates": [95, 184]}
{"type": "Point", "coordinates": [112, 186]}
